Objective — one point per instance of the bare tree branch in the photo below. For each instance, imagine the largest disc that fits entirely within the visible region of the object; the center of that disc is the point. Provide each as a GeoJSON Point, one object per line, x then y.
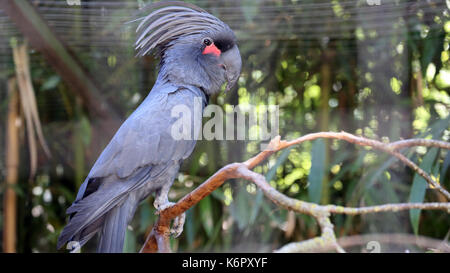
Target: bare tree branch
{"type": "Point", "coordinates": [158, 240]}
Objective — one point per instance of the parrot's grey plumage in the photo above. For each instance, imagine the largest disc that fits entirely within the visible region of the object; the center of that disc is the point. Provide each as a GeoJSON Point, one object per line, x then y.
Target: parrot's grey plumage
{"type": "Point", "coordinates": [198, 55]}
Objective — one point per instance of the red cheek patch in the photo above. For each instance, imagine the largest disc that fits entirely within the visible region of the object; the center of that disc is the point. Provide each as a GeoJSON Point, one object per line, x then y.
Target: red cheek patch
{"type": "Point", "coordinates": [212, 49]}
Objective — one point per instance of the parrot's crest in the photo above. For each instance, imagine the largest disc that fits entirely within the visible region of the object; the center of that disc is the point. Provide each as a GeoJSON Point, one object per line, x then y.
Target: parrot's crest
{"type": "Point", "coordinates": [174, 19]}
{"type": "Point", "coordinates": [195, 47]}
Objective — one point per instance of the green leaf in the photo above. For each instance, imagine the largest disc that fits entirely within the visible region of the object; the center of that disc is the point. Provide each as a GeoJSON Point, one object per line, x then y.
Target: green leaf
{"type": "Point", "coordinates": [86, 132]}
{"type": "Point", "coordinates": [189, 228]}
{"type": "Point", "coordinates": [206, 215]}
{"type": "Point", "coordinates": [419, 187]}
{"type": "Point", "coordinates": [50, 83]}
{"type": "Point", "coordinates": [438, 128]}
{"type": "Point", "coordinates": [317, 171]}
{"type": "Point", "coordinates": [433, 46]}
{"type": "Point", "coordinates": [445, 171]}
{"type": "Point", "coordinates": [218, 194]}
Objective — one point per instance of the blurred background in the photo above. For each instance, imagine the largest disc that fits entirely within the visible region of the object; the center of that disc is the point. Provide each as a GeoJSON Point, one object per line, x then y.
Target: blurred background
{"type": "Point", "coordinates": [377, 68]}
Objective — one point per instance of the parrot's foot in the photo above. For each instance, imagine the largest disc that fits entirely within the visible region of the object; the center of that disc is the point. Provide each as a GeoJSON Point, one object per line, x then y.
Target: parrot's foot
{"type": "Point", "coordinates": [178, 222]}
{"type": "Point", "coordinates": [160, 206]}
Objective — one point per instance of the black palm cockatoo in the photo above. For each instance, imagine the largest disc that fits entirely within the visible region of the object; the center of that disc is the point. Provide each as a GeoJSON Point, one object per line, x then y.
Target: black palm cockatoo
{"type": "Point", "coordinates": [198, 55]}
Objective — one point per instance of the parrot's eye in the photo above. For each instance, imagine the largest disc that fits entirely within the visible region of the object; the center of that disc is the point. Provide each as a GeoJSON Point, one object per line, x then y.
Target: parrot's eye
{"type": "Point", "coordinates": [207, 41]}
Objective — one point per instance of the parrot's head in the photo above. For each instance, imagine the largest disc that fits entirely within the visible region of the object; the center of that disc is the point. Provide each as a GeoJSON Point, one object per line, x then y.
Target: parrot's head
{"type": "Point", "coordinates": [195, 47]}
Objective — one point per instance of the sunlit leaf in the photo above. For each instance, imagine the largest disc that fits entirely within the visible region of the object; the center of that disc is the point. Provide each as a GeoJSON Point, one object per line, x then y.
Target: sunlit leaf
{"type": "Point", "coordinates": [51, 83]}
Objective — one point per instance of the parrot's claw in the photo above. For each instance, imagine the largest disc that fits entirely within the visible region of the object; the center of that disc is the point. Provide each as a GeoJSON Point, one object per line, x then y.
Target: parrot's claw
{"type": "Point", "coordinates": [178, 224]}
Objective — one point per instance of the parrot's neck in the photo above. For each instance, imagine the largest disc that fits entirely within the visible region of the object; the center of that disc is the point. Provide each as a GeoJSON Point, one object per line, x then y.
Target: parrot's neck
{"type": "Point", "coordinates": [168, 78]}
{"type": "Point", "coordinates": [162, 80]}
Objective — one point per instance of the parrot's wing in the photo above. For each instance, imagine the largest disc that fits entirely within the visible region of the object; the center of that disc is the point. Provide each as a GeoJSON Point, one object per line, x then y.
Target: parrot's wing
{"type": "Point", "coordinates": [141, 150]}
{"type": "Point", "coordinates": [145, 138]}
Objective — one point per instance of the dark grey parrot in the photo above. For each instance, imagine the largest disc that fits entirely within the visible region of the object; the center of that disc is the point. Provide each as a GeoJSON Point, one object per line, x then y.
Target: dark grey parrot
{"type": "Point", "coordinates": [198, 54]}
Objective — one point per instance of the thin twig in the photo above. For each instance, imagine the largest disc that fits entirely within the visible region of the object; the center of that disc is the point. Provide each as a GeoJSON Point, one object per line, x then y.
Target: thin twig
{"type": "Point", "coordinates": [419, 142]}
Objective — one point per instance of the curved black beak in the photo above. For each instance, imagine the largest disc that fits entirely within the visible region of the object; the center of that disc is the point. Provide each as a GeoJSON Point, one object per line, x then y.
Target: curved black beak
{"type": "Point", "coordinates": [232, 64]}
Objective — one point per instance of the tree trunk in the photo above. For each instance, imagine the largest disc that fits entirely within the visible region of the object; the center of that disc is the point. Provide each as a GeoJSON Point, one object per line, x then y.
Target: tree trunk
{"type": "Point", "coordinates": [12, 165]}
